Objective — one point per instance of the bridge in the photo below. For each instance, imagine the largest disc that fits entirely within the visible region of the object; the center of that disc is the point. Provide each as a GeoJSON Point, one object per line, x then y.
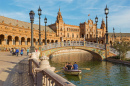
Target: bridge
{"type": "Point", "coordinates": [99, 49]}
{"type": "Point", "coordinates": [42, 72]}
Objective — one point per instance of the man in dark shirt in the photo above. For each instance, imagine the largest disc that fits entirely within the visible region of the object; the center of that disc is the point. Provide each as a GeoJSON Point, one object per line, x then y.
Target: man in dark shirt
{"type": "Point", "coordinates": [69, 66]}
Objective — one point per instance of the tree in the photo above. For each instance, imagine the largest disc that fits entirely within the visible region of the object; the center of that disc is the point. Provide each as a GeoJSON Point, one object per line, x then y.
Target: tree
{"type": "Point", "coordinates": [122, 47]}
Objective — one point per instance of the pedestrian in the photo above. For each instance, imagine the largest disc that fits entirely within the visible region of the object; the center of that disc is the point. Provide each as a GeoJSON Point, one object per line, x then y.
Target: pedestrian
{"type": "Point", "coordinates": [36, 50]}
{"type": "Point", "coordinates": [11, 50]}
{"type": "Point", "coordinates": [75, 66]}
{"type": "Point", "coordinates": [17, 51]}
{"type": "Point", "coordinates": [21, 52]}
{"type": "Point", "coordinates": [27, 51]}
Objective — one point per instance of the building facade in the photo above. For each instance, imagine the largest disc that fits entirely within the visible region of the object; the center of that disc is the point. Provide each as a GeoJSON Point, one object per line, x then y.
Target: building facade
{"type": "Point", "coordinates": [17, 34]}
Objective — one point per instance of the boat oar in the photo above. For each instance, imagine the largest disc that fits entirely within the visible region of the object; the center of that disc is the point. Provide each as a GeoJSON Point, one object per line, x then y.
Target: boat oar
{"type": "Point", "coordinates": [57, 71]}
{"type": "Point", "coordinates": [85, 68]}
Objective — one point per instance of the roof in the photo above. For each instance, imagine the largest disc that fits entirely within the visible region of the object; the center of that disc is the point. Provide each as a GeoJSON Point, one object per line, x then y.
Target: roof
{"type": "Point", "coordinates": [15, 22]}
{"type": "Point", "coordinates": [120, 34]}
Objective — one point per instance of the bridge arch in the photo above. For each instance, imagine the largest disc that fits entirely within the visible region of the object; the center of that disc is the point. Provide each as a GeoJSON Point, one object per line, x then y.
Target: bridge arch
{"type": "Point", "coordinates": [94, 48]}
{"type": "Point", "coordinates": [72, 55]}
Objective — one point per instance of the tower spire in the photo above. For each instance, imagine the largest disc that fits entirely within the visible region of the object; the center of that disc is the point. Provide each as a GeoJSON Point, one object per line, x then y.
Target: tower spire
{"type": "Point", "coordinates": [59, 8]}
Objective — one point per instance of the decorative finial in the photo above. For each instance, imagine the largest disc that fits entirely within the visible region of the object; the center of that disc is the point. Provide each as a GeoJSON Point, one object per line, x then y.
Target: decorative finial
{"type": "Point", "coordinates": [59, 8]}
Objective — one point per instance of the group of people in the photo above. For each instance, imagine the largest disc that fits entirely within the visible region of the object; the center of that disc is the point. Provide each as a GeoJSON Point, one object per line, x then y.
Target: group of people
{"type": "Point", "coordinates": [15, 51]}
{"type": "Point", "coordinates": [69, 66]}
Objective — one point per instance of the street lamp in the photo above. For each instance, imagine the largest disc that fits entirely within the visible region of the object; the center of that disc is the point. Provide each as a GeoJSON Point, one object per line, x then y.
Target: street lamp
{"type": "Point", "coordinates": [31, 14]}
{"type": "Point", "coordinates": [96, 20]}
{"type": "Point", "coordinates": [39, 13]}
{"type": "Point", "coordinates": [113, 34]}
{"type": "Point", "coordinates": [106, 12]}
{"type": "Point", "coordinates": [45, 21]}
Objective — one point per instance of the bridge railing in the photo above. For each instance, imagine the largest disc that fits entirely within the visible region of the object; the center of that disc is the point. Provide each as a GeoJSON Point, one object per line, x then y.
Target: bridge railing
{"type": "Point", "coordinates": [114, 51]}
{"type": "Point", "coordinates": [46, 77]}
{"type": "Point", "coordinates": [95, 45]}
{"type": "Point", "coordinates": [43, 74]}
{"type": "Point", "coordinates": [73, 43]}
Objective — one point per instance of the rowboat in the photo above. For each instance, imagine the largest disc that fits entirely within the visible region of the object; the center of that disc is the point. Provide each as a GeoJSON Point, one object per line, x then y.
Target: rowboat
{"type": "Point", "coordinates": [71, 72]}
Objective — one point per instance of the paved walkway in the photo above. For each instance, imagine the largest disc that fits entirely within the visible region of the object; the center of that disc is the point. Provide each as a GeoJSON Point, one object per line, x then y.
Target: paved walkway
{"type": "Point", "coordinates": [14, 70]}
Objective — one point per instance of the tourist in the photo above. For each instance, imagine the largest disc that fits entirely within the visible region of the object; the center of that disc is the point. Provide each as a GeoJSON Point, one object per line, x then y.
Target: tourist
{"type": "Point", "coordinates": [36, 50]}
{"type": "Point", "coordinates": [69, 66]}
{"type": "Point", "coordinates": [21, 52]}
{"type": "Point", "coordinates": [11, 50]}
{"type": "Point", "coordinates": [17, 51]}
{"type": "Point", "coordinates": [66, 64]}
{"type": "Point", "coordinates": [27, 51]}
{"type": "Point", "coordinates": [75, 66]}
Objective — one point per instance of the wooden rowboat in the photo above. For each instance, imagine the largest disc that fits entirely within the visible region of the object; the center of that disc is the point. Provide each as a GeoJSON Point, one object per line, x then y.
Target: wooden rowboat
{"type": "Point", "coordinates": [71, 72]}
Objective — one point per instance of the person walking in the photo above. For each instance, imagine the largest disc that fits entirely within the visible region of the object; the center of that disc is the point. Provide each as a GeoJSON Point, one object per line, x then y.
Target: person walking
{"type": "Point", "coordinates": [21, 52]}
{"type": "Point", "coordinates": [17, 51]}
{"type": "Point", "coordinates": [27, 51]}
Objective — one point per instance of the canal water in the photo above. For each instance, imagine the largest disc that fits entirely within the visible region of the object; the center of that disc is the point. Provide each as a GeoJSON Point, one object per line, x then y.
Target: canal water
{"type": "Point", "coordinates": [101, 73]}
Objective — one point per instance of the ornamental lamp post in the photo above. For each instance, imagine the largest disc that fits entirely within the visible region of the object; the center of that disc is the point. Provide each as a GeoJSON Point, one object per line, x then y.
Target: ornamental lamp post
{"type": "Point", "coordinates": [106, 12]}
{"type": "Point", "coordinates": [32, 14]}
{"type": "Point", "coordinates": [96, 20]}
{"type": "Point", "coordinates": [39, 13]}
{"type": "Point", "coordinates": [45, 21]}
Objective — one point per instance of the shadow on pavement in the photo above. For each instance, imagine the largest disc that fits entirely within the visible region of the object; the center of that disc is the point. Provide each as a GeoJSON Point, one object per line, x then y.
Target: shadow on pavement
{"type": "Point", "coordinates": [19, 75]}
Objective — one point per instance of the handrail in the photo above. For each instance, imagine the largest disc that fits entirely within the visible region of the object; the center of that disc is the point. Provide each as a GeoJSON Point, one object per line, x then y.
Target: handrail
{"type": "Point", "coordinates": [73, 43]}
{"type": "Point", "coordinates": [45, 76]}
{"type": "Point", "coordinates": [50, 78]}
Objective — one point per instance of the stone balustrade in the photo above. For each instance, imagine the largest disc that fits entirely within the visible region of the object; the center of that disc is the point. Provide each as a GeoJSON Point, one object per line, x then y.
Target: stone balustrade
{"type": "Point", "coordinates": [43, 74]}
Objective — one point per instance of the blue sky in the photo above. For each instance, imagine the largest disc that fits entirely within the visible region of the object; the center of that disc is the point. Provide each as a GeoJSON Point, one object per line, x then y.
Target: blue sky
{"type": "Point", "coordinates": [73, 12]}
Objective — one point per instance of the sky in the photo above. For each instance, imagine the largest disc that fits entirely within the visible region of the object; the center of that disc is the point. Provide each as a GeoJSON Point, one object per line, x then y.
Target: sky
{"type": "Point", "coordinates": [73, 12]}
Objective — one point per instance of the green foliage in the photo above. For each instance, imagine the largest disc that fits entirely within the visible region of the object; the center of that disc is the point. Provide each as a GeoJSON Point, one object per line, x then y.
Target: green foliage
{"type": "Point", "coordinates": [122, 48]}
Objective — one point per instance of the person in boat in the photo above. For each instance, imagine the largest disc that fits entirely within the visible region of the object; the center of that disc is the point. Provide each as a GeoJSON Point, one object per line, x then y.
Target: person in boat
{"type": "Point", "coordinates": [69, 66]}
{"type": "Point", "coordinates": [75, 66]}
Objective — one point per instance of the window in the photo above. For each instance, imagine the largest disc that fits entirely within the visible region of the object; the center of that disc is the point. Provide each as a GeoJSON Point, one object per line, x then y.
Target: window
{"type": "Point", "coordinates": [72, 35]}
{"type": "Point", "coordinates": [77, 36]}
{"type": "Point", "coordinates": [67, 34]}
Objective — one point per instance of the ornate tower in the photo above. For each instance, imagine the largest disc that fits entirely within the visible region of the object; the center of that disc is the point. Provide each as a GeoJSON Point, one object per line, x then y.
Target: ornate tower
{"type": "Point", "coordinates": [59, 17]}
{"type": "Point", "coordinates": [103, 27]}
{"type": "Point", "coordinates": [60, 25]}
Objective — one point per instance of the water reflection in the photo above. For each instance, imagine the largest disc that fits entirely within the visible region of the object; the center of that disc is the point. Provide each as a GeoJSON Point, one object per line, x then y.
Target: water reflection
{"type": "Point", "coordinates": [73, 78]}
{"type": "Point", "coordinates": [100, 74]}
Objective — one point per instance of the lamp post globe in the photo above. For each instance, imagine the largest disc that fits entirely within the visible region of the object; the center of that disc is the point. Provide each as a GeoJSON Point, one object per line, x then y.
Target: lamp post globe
{"type": "Point", "coordinates": [39, 13]}
{"type": "Point", "coordinates": [96, 20]}
{"type": "Point", "coordinates": [32, 14]}
{"type": "Point", "coordinates": [45, 21]}
{"type": "Point", "coordinates": [106, 12]}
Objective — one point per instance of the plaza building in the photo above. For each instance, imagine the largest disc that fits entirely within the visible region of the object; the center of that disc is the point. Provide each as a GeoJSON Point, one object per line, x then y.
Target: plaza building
{"type": "Point", "coordinates": [17, 34]}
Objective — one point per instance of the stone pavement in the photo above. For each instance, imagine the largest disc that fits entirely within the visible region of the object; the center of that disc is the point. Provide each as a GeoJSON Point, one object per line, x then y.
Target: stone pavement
{"type": "Point", "coordinates": [14, 70]}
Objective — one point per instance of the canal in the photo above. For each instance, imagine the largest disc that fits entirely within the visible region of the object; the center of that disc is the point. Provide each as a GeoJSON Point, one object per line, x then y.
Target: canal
{"type": "Point", "coordinates": [101, 73]}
